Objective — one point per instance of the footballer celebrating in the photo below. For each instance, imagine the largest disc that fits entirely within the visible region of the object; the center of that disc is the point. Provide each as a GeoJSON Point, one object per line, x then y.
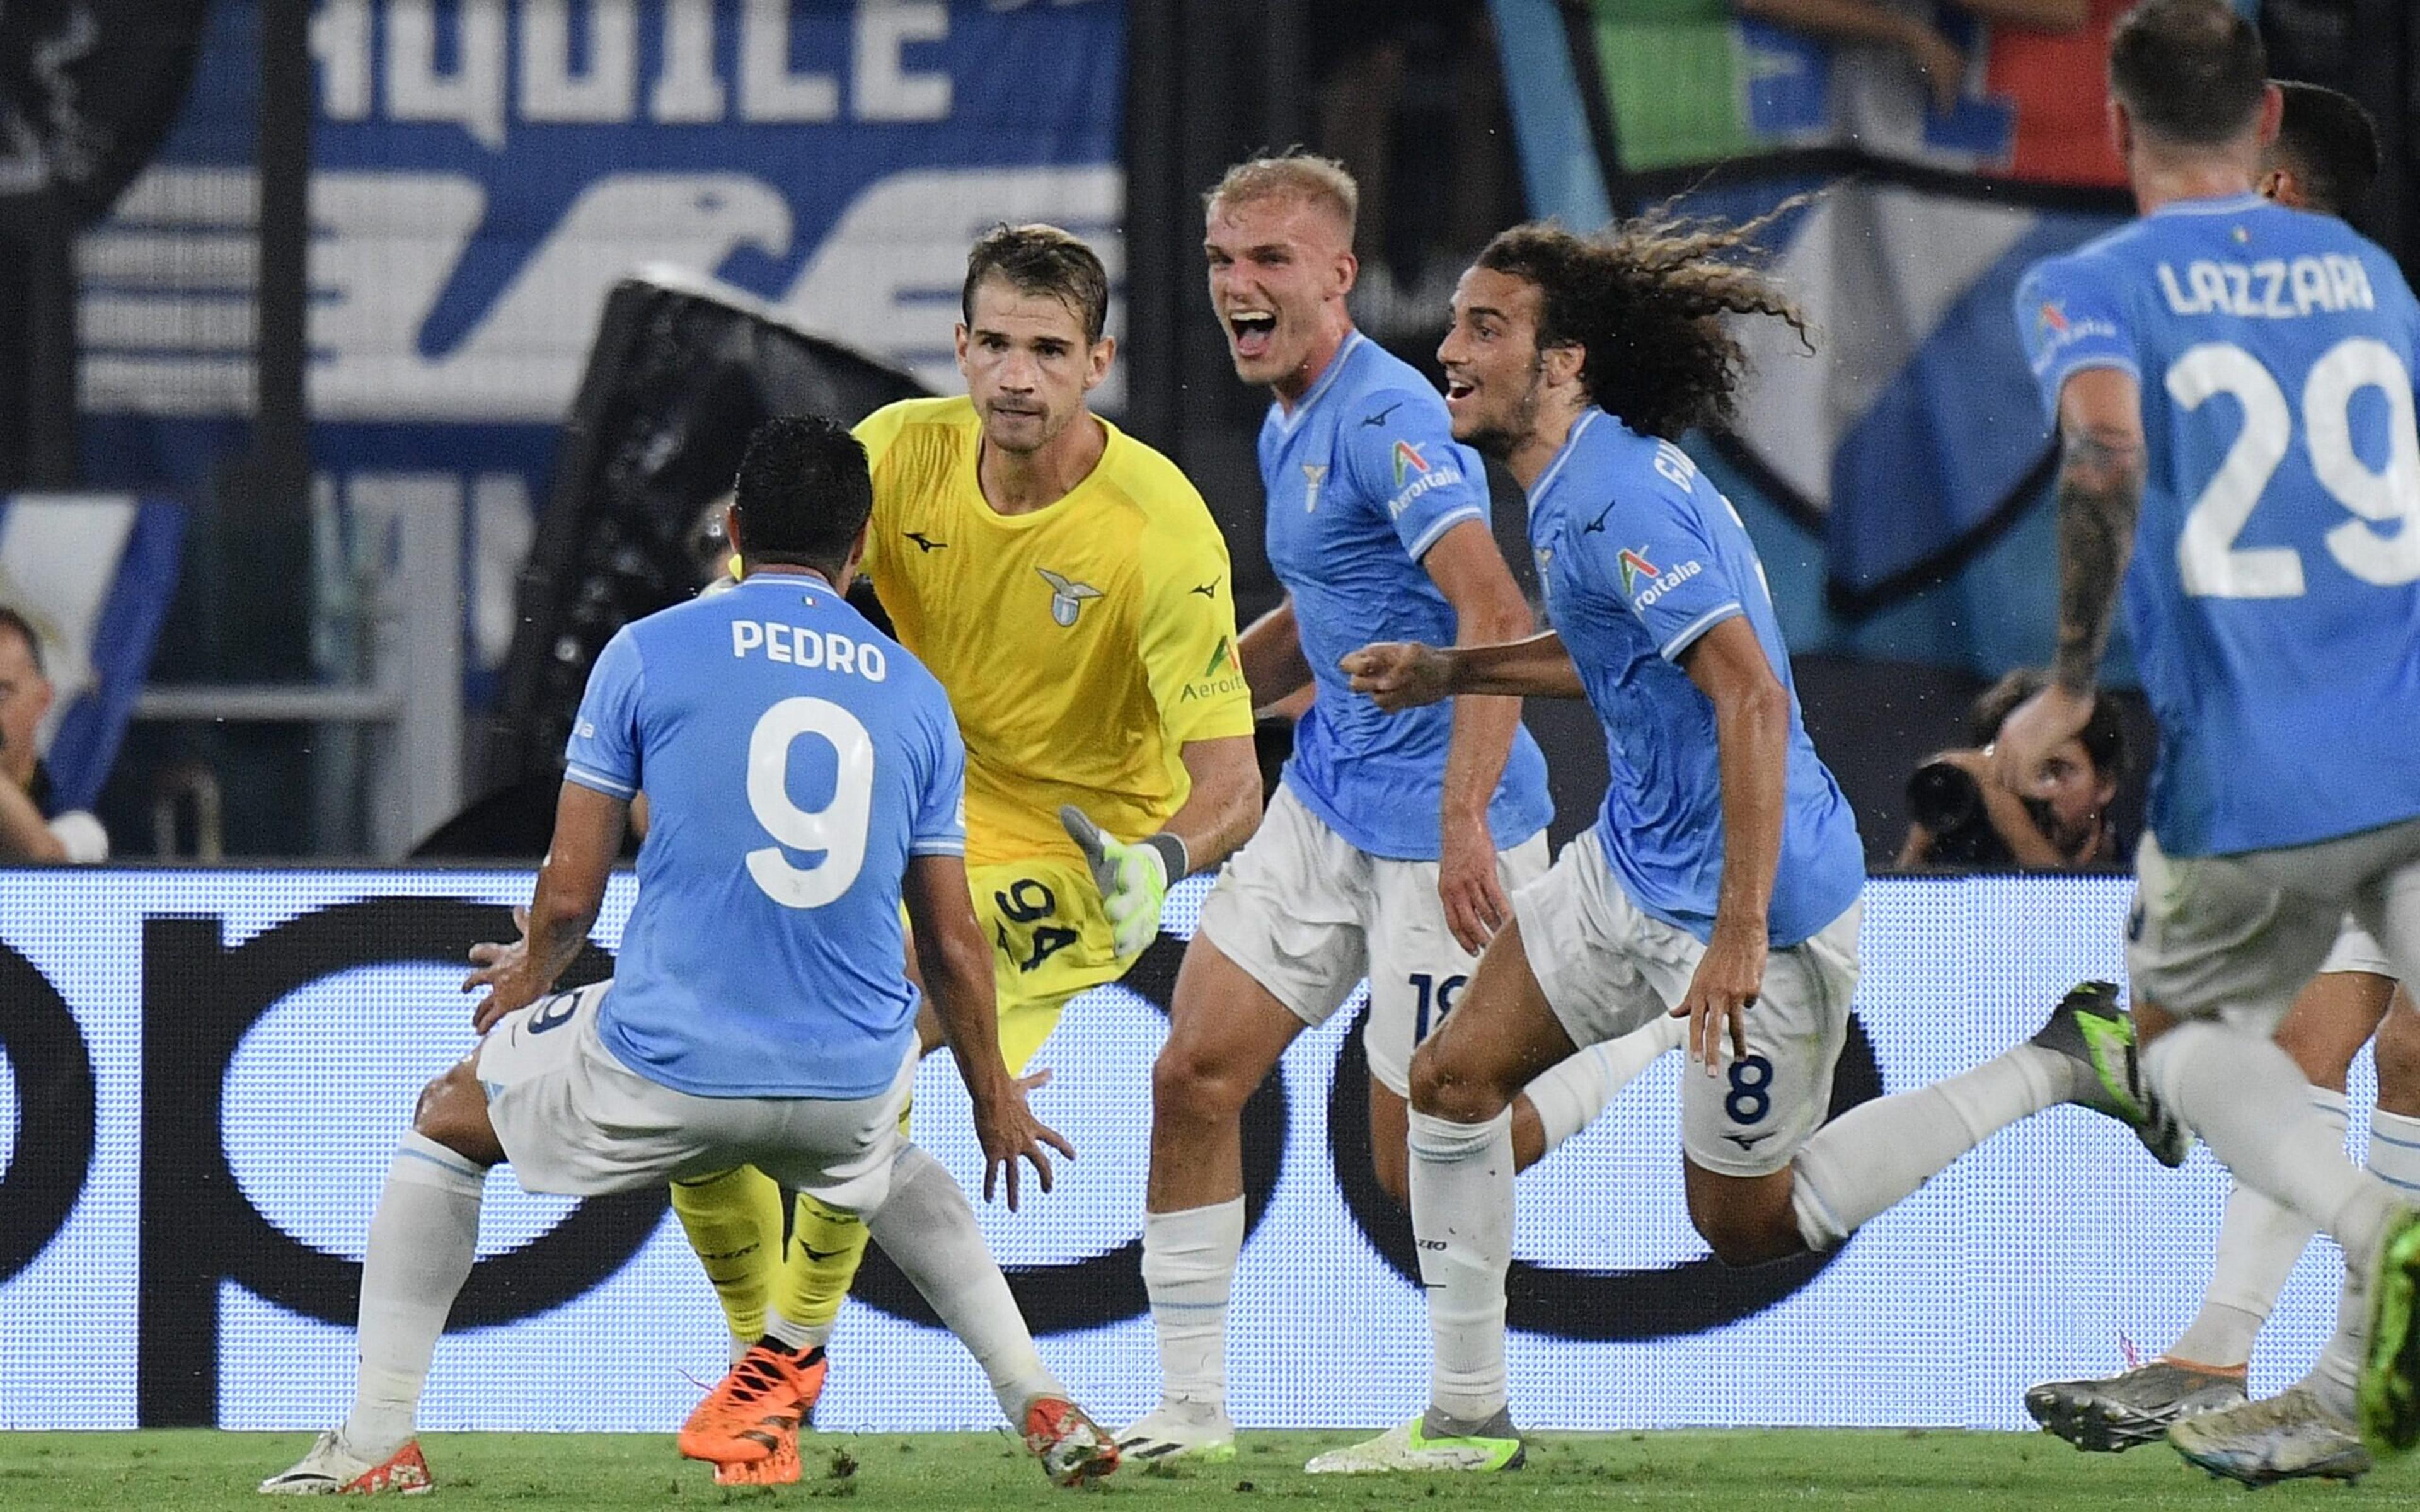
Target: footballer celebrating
{"type": "Point", "coordinates": [2323, 160]}
{"type": "Point", "coordinates": [1721, 881]}
{"type": "Point", "coordinates": [1392, 844]}
{"type": "Point", "coordinates": [2231, 382]}
{"type": "Point", "coordinates": [760, 1011]}
{"type": "Point", "coordinates": [1068, 587]}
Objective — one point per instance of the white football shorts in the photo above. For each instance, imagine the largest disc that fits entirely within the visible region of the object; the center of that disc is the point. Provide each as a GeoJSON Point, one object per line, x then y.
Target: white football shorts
{"type": "Point", "coordinates": [2239, 936]}
{"type": "Point", "coordinates": [1607, 967]}
{"type": "Point", "coordinates": [573, 1119]}
{"type": "Point", "coordinates": [2355, 951]}
{"type": "Point", "coordinates": [1307, 915]}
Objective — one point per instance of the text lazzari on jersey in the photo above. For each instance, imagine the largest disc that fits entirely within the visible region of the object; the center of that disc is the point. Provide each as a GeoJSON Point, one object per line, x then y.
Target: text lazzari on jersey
{"type": "Point", "coordinates": [2273, 596]}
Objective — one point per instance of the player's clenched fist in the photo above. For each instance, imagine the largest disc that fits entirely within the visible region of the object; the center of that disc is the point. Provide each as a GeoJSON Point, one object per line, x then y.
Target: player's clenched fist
{"type": "Point", "coordinates": [1398, 674]}
{"type": "Point", "coordinates": [1133, 879]}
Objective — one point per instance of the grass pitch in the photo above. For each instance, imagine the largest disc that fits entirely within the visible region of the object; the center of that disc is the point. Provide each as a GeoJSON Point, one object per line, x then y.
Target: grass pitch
{"type": "Point", "coordinates": [1923, 1471]}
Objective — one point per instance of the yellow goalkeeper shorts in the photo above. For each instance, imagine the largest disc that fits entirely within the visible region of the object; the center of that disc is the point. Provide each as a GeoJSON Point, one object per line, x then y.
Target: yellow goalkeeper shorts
{"type": "Point", "coordinates": [1050, 941]}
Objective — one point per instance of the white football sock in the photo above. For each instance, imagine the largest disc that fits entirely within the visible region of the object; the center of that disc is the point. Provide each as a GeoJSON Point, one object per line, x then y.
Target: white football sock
{"type": "Point", "coordinates": [1569, 1097]}
{"type": "Point", "coordinates": [2394, 1159]}
{"type": "Point", "coordinates": [2259, 1244]}
{"type": "Point", "coordinates": [423, 1240]}
{"type": "Point", "coordinates": [1871, 1158]}
{"type": "Point", "coordinates": [1462, 1212]}
{"type": "Point", "coordinates": [2250, 1104]}
{"type": "Point", "coordinates": [930, 1234]}
{"type": "Point", "coordinates": [791, 1334]}
{"type": "Point", "coordinates": [1189, 1270]}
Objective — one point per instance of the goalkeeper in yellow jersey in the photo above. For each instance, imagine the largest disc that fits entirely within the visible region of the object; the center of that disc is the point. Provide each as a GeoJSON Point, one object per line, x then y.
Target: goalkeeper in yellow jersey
{"type": "Point", "coordinates": [1070, 590]}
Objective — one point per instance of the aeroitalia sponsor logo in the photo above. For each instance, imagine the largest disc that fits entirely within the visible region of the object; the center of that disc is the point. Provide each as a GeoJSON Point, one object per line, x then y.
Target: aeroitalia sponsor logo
{"type": "Point", "coordinates": [1415, 475]}
{"type": "Point", "coordinates": [1634, 566]}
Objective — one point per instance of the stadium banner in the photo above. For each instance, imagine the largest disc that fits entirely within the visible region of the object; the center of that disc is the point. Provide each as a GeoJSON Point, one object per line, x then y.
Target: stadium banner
{"type": "Point", "coordinates": [206, 1073]}
{"type": "Point", "coordinates": [1910, 436]}
{"type": "Point", "coordinates": [483, 172]}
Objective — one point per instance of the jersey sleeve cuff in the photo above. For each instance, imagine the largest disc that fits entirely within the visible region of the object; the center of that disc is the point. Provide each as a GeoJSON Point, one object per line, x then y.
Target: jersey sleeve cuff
{"type": "Point", "coordinates": [2083, 362]}
{"type": "Point", "coordinates": [1420, 544]}
{"type": "Point", "coordinates": [1688, 634]}
{"type": "Point", "coordinates": [937, 846]}
{"type": "Point", "coordinates": [588, 777]}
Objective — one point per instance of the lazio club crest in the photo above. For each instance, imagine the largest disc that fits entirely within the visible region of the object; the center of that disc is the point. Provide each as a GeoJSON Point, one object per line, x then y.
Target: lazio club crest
{"type": "Point", "coordinates": [1068, 595]}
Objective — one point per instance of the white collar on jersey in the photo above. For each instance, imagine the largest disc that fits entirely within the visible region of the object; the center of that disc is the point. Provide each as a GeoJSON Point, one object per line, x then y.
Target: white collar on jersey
{"type": "Point", "coordinates": [1288, 420]}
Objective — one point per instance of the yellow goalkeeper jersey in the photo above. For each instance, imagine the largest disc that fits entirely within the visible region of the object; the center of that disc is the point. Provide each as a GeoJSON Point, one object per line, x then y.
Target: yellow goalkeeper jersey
{"type": "Point", "coordinates": [1083, 644]}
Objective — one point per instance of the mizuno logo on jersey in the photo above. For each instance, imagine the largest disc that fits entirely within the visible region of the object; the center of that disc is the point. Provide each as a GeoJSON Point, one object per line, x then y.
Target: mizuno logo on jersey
{"type": "Point", "coordinates": [2275, 288]}
{"type": "Point", "coordinates": [1067, 596]}
{"type": "Point", "coordinates": [1380, 418]}
{"type": "Point", "coordinates": [924, 543]}
{"type": "Point", "coordinates": [1409, 460]}
{"type": "Point", "coordinates": [1313, 474]}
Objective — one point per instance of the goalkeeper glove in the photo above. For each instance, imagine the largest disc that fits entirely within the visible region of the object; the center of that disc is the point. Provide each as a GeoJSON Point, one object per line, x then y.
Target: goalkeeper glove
{"type": "Point", "coordinates": [1133, 879]}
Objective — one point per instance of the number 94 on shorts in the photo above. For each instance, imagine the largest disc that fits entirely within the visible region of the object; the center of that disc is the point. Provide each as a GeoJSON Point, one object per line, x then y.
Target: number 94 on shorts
{"type": "Point", "coordinates": [1049, 941]}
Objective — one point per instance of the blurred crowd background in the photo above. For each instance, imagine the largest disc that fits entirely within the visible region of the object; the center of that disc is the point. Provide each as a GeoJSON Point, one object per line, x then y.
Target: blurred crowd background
{"type": "Point", "coordinates": [365, 364]}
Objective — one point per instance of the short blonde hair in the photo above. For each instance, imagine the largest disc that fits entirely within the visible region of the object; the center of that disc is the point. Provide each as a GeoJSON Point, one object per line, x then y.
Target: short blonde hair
{"type": "Point", "coordinates": [1292, 173]}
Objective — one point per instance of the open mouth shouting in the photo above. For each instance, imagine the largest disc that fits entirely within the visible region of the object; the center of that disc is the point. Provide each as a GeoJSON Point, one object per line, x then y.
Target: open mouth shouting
{"type": "Point", "coordinates": [1249, 333]}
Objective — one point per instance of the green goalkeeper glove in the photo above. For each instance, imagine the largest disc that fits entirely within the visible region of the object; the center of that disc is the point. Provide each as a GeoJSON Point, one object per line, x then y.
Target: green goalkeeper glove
{"type": "Point", "coordinates": [1133, 879]}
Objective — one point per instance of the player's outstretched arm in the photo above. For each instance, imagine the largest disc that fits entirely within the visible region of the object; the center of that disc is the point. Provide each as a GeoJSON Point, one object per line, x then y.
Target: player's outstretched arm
{"type": "Point", "coordinates": [957, 981]}
{"type": "Point", "coordinates": [1270, 648]}
{"type": "Point", "coordinates": [1752, 748]}
{"type": "Point", "coordinates": [1488, 609]}
{"type": "Point", "coordinates": [570, 890]}
{"type": "Point", "coordinates": [1224, 807]}
{"type": "Point", "coordinates": [1400, 674]}
{"type": "Point", "coordinates": [2100, 469]}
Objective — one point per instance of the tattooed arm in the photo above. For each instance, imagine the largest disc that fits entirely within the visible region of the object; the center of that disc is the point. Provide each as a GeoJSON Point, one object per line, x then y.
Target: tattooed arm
{"type": "Point", "coordinates": [2101, 471]}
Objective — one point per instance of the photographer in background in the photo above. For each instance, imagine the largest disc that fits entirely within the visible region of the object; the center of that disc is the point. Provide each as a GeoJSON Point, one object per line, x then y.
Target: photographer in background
{"type": "Point", "coordinates": [30, 828]}
{"type": "Point", "coordinates": [1963, 818]}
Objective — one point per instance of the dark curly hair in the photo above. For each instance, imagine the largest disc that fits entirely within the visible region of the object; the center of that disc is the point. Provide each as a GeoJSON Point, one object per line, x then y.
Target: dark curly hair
{"type": "Point", "coordinates": [1647, 303]}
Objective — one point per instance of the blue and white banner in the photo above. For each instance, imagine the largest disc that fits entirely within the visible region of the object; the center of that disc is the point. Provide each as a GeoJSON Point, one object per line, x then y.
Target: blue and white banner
{"type": "Point", "coordinates": [206, 1073]}
{"type": "Point", "coordinates": [484, 171]}
{"type": "Point", "coordinates": [1909, 436]}
{"type": "Point", "coordinates": [93, 574]}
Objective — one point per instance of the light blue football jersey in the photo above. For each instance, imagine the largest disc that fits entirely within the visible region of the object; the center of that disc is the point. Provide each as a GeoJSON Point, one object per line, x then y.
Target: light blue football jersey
{"type": "Point", "coordinates": [793, 758]}
{"type": "Point", "coordinates": [1363, 477]}
{"type": "Point", "coordinates": [1641, 556]}
{"type": "Point", "coordinates": [2274, 596]}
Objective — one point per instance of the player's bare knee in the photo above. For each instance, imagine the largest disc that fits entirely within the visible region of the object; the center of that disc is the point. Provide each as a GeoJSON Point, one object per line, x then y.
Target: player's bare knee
{"type": "Point", "coordinates": [1190, 1080]}
{"type": "Point", "coordinates": [2398, 1060]}
{"type": "Point", "coordinates": [1740, 1237]}
{"type": "Point", "coordinates": [453, 1111]}
{"type": "Point", "coordinates": [1441, 1089]}
{"type": "Point", "coordinates": [1744, 1220]}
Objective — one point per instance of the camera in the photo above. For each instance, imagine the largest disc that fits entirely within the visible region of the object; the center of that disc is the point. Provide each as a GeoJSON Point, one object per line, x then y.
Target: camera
{"type": "Point", "coordinates": [1945, 798]}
